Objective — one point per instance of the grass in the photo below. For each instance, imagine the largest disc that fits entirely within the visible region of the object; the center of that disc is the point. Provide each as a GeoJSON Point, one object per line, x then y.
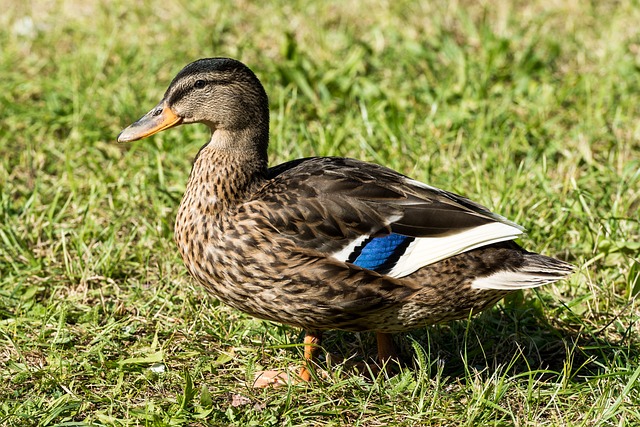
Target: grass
{"type": "Point", "coordinates": [531, 108]}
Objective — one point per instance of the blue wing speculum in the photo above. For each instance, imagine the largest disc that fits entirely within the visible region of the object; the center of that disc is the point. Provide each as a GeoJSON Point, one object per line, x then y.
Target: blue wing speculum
{"type": "Point", "coordinates": [380, 254]}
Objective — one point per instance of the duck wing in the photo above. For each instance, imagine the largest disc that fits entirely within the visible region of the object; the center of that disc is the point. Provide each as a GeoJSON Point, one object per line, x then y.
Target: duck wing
{"type": "Point", "coordinates": [373, 217]}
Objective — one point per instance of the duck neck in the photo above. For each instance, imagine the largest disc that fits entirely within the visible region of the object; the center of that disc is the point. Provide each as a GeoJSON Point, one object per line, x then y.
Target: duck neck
{"type": "Point", "coordinates": [225, 171]}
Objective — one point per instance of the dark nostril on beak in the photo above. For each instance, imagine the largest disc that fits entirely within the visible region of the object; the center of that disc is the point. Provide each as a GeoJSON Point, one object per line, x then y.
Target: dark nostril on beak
{"type": "Point", "coordinates": [157, 112]}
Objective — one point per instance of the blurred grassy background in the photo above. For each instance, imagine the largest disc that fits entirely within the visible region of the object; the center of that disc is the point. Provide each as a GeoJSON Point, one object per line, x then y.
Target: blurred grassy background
{"type": "Point", "coordinates": [531, 108]}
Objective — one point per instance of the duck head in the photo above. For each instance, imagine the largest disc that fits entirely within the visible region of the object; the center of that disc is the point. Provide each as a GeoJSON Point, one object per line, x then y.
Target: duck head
{"type": "Point", "coordinates": [222, 93]}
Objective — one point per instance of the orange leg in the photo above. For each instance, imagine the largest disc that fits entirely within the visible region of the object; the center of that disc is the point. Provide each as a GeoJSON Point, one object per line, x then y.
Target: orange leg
{"type": "Point", "coordinates": [274, 378]}
{"type": "Point", "coordinates": [386, 349]}
{"type": "Point", "coordinates": [312, 341]}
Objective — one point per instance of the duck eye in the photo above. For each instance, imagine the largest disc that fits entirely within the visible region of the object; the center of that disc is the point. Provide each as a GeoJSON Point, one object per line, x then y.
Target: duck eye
{"type": "Point", "coordinates": [199, 84]}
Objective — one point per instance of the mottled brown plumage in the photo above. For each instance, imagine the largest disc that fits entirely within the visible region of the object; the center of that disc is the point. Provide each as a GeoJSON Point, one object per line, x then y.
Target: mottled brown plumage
{"type": "Point", "coordinates": [327, 243]}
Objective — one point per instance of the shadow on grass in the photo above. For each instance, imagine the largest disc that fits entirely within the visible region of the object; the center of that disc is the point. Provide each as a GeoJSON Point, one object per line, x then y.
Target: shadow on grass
{"type": "Point", "coordinates": [514, 340]}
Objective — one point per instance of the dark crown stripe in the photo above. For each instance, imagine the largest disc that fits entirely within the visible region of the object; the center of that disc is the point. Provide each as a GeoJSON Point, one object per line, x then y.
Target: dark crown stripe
{"type": "Point", "coordinates": [184, 90]}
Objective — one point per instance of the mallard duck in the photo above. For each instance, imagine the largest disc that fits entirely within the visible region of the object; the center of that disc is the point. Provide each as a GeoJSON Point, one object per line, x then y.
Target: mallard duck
{"type": "Point", "coordinates": [326, 243]}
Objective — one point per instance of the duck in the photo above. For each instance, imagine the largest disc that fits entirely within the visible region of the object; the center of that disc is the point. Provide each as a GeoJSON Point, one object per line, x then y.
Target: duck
{"type": "Point", "coordinates": [326, 243]}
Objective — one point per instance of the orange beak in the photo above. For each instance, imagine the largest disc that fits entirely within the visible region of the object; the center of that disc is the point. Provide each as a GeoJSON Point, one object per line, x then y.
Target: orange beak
{"type": "Point", "coordinates": [158, 119]}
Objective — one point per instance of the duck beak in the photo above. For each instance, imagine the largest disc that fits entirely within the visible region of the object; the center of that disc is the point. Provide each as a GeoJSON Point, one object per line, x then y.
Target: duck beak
{"type": "Point", "coordinates": [158, 119]}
